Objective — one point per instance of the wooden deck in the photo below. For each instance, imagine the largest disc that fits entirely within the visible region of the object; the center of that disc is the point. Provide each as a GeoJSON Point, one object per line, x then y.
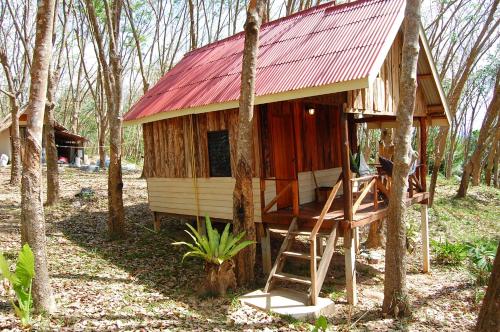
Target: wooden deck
{"type": "Point", "coordinates": [309, 213]}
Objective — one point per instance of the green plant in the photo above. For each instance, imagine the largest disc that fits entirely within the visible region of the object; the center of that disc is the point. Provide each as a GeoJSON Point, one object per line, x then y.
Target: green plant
{"type": "Point", "coordinates": [213, 247]}
{"type": "Point", "coordinates": [481, 257]}
{"type": "Point", "coordinates": [20, 281]}
{"type": "Point", "coordinates": [449, 253]}
{"type": "Point", "coordinates": [321, 324]}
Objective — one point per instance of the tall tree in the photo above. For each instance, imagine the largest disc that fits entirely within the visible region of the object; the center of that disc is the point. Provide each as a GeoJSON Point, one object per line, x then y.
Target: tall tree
{"type": "Point", "coordinates": [15, 61]}
{"type": "Point", "coordinates": [112, 83]}
{"type": "Point", "coordinates": [243, 209]}
{"type": "Point", "coordinates": [395, 291]}
{"type": "Point", "coordinates": [15, 139]}
{"type": "Point", "coordinates": [50, 121]}
{"type": "Point", "coordinates": [32, 216]}
{"type": "Point", "coordinates": [489, 317]}
{"type": "Point", "coordinates": [475, 160]}
{"type": "Point", "coordinates": [487, 33]}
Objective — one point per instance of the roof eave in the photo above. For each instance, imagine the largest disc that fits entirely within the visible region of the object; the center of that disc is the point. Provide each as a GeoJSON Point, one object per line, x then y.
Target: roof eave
{"type": "Point", "coordinates": [360, 83]}
{"type": "Point", "coordinates": [432, 64]}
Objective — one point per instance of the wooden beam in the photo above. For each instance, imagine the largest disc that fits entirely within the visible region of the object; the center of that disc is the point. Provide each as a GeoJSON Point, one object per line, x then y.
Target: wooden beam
{"type": "Point", "coordinates": [376, 118]}
{"type": "Point", "coordinates": [435, 108]}
{"type": "Point", "coordinates": [420, 76]}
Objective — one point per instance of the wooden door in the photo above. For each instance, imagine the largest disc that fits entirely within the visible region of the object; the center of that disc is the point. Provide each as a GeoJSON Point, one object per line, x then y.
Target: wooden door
{"type": "Point", "coordinates": [280, 120]}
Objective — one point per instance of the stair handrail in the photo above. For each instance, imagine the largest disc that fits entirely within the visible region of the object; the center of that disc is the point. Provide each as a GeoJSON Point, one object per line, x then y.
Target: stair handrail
{"type": "Point", "coordinates": [325, 209]}
{"type": "Point", "coordinates": [363, 194]}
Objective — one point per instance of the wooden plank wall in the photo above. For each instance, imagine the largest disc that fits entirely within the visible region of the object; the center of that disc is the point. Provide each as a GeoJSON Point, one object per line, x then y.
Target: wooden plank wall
{"type": "Point", "coordinates": [167, 144]}
{"type": "Point", "coordinates": [383, 97]}
{"type": "Point", "coordinates": [317, 137]}
{"type": "Point", "coordinates": [215, 196]}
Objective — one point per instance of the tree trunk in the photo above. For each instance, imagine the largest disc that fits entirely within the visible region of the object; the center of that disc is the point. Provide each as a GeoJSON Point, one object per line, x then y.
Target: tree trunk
{"type": "Point", "coordinates": [495, 167]}
{"type": "Point", "coordinates": [50, 144]}
{"type": "Point", "coordinates": [243, 209]}
{"type": "Point", "coordinates": [475, 159]}
{"type": "Point", "coordinates": [219, 278]}
{"type": "Point", "coordinates": [15, 144]}
{"type": "Point", "coordinates": [489, 315]}
{"type": "Point", "coordinates": [395, 292]}
{"type": "Point", "coordinates": [116, 218]}
{"type": "Point", "coordinates": [101, 149]}
{"type": "Point", "coordinates": [438, 157]}
{"type": "Point", "coordinates": [491, 156]}
{"type": "Point", "coordinates": [15, 140]}
{"type": "Point", "coordinates": [112, 83]}
{"type": "Point", "coordinates": [32, 217]}
{"type": "Point", "coordinates": [375, 235]}
{"type": "Point", "coordinates": [451, 155]}
{"type": "Point", "coordinates": [192, 27]}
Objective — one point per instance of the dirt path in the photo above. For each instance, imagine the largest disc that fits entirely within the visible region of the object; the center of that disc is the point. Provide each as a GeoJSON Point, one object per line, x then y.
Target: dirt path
{"type": "Point", "coordinates": [140, 283]}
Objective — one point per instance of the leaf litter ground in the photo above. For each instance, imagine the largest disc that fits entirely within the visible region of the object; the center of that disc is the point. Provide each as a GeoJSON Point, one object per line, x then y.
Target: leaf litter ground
{"type": "Point", "coordinates": [140, 283]}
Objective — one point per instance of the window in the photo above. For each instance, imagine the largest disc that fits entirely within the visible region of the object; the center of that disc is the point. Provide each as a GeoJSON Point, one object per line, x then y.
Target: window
{"type": "Point", "coordinates": [219, 155]}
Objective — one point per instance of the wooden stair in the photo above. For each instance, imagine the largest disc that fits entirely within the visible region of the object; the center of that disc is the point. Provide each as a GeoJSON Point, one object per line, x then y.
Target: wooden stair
{"type": "Point", "coordinates": [317, 266]}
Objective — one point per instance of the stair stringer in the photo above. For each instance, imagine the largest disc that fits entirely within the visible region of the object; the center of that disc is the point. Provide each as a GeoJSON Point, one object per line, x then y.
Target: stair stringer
{"type": "Point", "coordinates": [278, 263]}
{"type": "Point", "coordinates": [325, 260]}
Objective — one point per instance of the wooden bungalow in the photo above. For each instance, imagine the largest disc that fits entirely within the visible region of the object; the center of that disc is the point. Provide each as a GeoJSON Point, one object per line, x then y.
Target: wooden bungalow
{"type": "Point", "coordinates": [69, 145]}
{"type": "Point", "coordinates": [320, 73]}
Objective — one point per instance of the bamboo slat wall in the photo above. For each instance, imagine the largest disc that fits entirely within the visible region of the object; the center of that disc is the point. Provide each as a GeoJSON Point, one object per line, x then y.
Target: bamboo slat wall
{"type": "Point", "coordinates": [167, 144]}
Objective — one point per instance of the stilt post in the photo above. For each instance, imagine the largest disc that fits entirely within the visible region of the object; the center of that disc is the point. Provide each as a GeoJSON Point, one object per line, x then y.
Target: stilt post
{"type": "Point", "coordinates": [350, 267]}
{"type": "Point", "coordinates": [156, 221]}
{"type": "Point", "coordinates": [265, 246]}
{"type": "Point", "coordinates": [349, 237]}
{"type": "Point", "coordinates": [424, 210]}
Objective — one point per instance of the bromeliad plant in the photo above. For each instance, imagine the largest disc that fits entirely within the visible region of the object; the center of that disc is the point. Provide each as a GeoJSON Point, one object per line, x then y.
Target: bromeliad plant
{"type": "Point", "coordinates": [217, 251]}
{"type": "Point", "coordinates": [20, 281]}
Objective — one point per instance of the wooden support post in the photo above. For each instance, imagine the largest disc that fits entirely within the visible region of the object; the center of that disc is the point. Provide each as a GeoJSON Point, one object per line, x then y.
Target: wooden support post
{"type": "Point", "coordinates": [350, 267]}
{"type": "Point", "coordinates": [356, 239]}
{"type": "Point", "coordinates": [423, 153]}
{"type": "Point", "coordinates": [424, 210]}
{"type": "Point", "coordinates": [265, 246]}
{"type": "Point", "coordinates": [349, 244]}
{"type": "Point", "coordinates": [346, 170]}
{"type": "Point", "coordinates": [156, 221]}
{"type": "Point", "coordinates": [313, 268]}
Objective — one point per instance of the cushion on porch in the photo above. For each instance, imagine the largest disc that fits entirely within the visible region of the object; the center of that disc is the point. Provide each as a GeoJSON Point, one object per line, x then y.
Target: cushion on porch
{"type": "Point", "coordinates": [386, 165]}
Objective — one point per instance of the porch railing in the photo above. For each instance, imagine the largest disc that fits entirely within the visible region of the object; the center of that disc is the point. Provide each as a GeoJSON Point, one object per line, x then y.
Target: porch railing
{"type": "Point", "coordinates": [293, 186]}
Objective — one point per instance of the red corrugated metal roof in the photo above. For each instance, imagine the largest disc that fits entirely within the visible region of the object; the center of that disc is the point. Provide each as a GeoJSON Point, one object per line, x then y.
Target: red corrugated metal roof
{"type": "Point", "coordinates": [319, 46]}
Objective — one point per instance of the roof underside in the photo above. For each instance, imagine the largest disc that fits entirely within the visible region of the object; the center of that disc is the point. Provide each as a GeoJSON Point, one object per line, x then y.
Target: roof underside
{"type": "Point", "coordinates": [318, 47]}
